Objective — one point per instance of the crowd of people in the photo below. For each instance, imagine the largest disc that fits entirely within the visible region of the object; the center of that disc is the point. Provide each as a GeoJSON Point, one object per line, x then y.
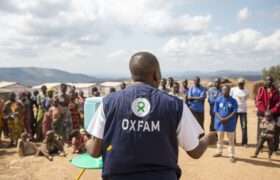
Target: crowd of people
{"type": "Point", "coordinates": [56, 118]}
{"type": "Point", "coordinates": [53, 118]}
{"type": "Point", "coordinates": [228, 104]}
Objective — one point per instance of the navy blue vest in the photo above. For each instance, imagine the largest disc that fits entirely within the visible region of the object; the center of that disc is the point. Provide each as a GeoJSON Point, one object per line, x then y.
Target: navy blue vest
{"type": "Point", "coordinates": [136, 144]}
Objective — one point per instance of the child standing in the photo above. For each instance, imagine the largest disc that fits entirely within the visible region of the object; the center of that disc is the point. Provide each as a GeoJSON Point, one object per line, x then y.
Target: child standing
{"type": "Point", "coordinates": [56, 114]}
{"type": "Point", "coordinates": [225, 109]}
{"type": "Point", "coordinates": [267, 133]}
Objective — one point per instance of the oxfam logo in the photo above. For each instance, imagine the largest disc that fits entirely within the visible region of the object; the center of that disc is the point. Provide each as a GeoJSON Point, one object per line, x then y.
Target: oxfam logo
{"type": "Point", "coordinates": [141, 107]}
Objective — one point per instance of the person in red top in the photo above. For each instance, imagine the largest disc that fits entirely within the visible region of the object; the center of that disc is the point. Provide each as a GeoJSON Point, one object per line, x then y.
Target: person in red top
{"type": "Point", "coordinates": [268, 99]}
{"type": "Point", "coordinates": [278, 126]}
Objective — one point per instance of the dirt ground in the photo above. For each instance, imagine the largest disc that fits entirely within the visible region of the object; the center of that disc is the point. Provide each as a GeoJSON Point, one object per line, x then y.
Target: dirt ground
{"type": "Point", "coordinates": [207, 168]}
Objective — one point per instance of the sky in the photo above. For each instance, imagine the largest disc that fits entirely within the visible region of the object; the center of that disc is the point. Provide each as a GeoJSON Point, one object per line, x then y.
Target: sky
{"type": "Point", "coordinates": [99, 36]}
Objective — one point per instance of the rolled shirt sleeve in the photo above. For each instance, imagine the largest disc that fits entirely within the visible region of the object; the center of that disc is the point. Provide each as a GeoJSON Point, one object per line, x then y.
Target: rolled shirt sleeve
{"type": "Point", "coordinates": [203, 93]}
{"type": "Point", "coordinates": [188, 130]}
{"type": "Point", "coordinates": [97, 123]}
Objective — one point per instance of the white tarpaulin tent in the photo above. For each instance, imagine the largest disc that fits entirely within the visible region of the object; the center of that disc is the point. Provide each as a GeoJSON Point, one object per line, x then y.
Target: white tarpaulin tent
{"type": "Point", "coordinates": [55, 86]}
{"type": "Point", "coordinates": [85, 87]}
{"type": "Point", "coordinates": [105, 86]}
{"type": "Point", "coordinates": [7, 86]}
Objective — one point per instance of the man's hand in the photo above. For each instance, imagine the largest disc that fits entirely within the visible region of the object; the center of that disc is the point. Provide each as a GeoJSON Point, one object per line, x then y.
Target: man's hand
{"type": "Point", "coordinates": [208, 139]}
{"type": "Point", "coordinates": [224, 120]}
{"type": "Point", "coordinates": [93, 147]}
{"type": "Point", "coordinates": [212, 138]}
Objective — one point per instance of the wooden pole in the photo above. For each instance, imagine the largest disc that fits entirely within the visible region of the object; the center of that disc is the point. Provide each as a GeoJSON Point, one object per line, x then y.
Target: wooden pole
{"type": "Point", "coordinates": [81, 174]}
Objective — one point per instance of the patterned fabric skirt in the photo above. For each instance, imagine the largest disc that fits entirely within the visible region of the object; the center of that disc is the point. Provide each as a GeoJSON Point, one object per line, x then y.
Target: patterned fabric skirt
{"type": "Point", "coordinates": [15, 128]}
{"type": "Point", "coordinates": [67, 123]}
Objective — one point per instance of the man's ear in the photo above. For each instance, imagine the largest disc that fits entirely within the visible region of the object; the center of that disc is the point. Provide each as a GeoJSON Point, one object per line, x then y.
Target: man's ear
{"type": "Point", "coordinates": [157, 78]}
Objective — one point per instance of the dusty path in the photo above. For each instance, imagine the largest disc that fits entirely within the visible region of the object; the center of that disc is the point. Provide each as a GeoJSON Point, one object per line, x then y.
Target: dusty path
{"type": "Point", "coordinates": [32, 168]}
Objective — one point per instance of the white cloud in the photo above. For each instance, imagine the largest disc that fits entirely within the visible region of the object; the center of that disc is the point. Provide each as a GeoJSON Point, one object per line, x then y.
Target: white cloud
{"type": "Point", "coordinates": [78, 33]}
{"type": "Point", "coordinates": [153, 16]}
{"type": "Point", "coordinates": [38, 25]}
{"type": "Point", "coordinates": [243, 40]}
{"type": "Point", "coordinates": [243, 14]}
{"type": "Point", "coordinates": [245, 46]}
{"type": "Point", "coordinates": [118, 54]}
{"type": "Point", "coordinates": [270, 43]}
{"type": "Point", "coordinates": [199, 45]}
{"type": "Point", "coordinates": [164, 23]}
{"type": "Point", "coordinates": [35, 26]}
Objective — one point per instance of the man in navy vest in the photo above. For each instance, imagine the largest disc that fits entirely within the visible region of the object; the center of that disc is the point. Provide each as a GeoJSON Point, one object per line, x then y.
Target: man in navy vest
{"type": "Point", "coordinates": [137, 130]}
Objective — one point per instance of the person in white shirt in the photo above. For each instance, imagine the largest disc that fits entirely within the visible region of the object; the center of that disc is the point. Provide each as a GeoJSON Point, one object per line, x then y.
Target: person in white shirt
{"type": "Point", "coordinates": [176, 91]}
{"type": "Point", "coordinates": [241, 95]}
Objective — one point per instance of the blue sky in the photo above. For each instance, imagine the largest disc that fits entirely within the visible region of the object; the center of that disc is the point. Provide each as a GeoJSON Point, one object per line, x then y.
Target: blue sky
{"type": "Point", "coordinates": [99, 36]}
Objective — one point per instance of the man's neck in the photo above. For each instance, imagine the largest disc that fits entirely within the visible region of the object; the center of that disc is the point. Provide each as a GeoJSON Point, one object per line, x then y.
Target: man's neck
{"type": "Point", "coordinates": [144, 82]}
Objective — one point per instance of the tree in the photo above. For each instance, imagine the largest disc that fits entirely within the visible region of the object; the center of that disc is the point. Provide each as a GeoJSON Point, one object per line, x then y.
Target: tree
{"type": "Point", "coordinates": [273, 71]}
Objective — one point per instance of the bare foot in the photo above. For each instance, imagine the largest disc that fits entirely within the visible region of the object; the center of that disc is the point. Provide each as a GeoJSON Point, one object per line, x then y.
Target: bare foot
{"type": "Point", "coordinates": [217, 155]}
{"type": "Point", "coordinates": [232, 160]}
{"type": "Point", "coordinates": [269, 159]}
{"type": "Point", "coordinates": [50, 158]}
{"type": "Point", "coordinates": [62, 154]}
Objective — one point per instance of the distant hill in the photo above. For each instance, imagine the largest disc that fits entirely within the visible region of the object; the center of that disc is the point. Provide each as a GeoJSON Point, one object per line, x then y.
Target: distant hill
{"type": "Point", "coordinates": [34, 76]}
